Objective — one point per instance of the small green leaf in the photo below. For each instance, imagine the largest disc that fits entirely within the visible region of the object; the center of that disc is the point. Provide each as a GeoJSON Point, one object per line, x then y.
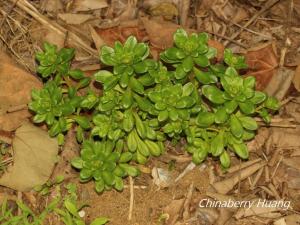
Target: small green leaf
{"type": "Point", "coordinates": [180, 72]}
{"type": "Point", "coordinates": [225, 159]}
{"type": "Point", "coordinates": [205, 119]}
{"type": "Point", "coordinates": [249, 82]}
{"type": "Point", "coordinates": [213, 94]}
{"type": "Point", "coordinates": [187, 64]}
{"type": "Point", "coordinates": [217, 144]}
{"type": "Point", "coordinates": [248, 122]}
{"type": "Point", "coordinates": [180, 38]}
{"type": "Point", "coordinates": [258, 97]}
{"type": "Point", "coordinates": [100, 221]}
{"type": "Point", "coordinates": [140, 127]}
{"type": "Point", "coordinates": [76, 74]}
{"type": "Point", "coordinates": [99, 186]}
{"type": "Point", "coordinates": [231, 106]}
{"type": "Point", "coordinates": [163, 115]}
{"type": "Point", "coordinates": [131, 141]}
{"type": "Point", "coordinates": [241, 150]}
{"type": "Point", "coordinates": [125, 157]}
{"type": "Point", "coordinates": [221, 115]}
{"type": "Point", "coordinates": [77, 163]}
{"type": "Point", "coordinates": [205, 77]}
{"type": "Point", "coordinates": [136, 85]}
{"type": "Point", "coordinates": [83, 121]}
{"type": "Point", "coordinates": [236, 126]}
{"type": "Point", "coordinates": [71, 207]}
{"type": "Point", "coordinates": [247, 107]}
{"type": "Point", "coordinates": [202, 61]}
{"type": "Point", "coordinates": [272, 103]}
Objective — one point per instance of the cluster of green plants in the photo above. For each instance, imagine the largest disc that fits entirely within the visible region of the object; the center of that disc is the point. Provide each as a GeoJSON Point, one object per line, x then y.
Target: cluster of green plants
{"type": "Point", "coordinates": [185, 94]}
{"type": "Point", "coordinates": [66, 208]}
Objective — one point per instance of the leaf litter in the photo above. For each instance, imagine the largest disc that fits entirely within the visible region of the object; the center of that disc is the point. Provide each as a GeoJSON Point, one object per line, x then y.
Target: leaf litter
{"type": "Point", "coordinates": [273, 170]}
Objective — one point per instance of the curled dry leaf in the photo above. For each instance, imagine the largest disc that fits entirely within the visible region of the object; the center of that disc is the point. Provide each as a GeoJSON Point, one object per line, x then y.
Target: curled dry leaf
{"type": "Point", "coordinates": [262, 61]}
{"type": "Point", "coordinates": [34, 158]}
{"type": "Point", "coordinates": [15, 93]}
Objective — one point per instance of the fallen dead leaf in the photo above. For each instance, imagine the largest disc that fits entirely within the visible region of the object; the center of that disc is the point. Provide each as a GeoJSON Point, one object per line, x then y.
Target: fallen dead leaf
{"type": "Point", "coordinates": [15, 93]}
{"type": "Point", "coordinates": [280, 83]}
{"type": "Point", "coordinates": [162, 39]}
{"type": "Point", "coordinates": [34, 158]}
{"type": "Point", "coordinates": [87, 5]}
{"type": "Point", "coordinates": [226, 185]}
{"type": "Point", "coordinates": [74, 18]}
{"type": "Point", "coordinates": [262, 61]}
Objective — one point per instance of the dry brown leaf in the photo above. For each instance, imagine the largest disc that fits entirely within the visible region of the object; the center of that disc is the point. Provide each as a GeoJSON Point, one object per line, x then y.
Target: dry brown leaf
{"type": "Point", "coordinates": [87, 5]}
{"type": "Point", "coordinates": [34, 158]}
{"type": "Point", "coordinates": [42, 33]}
{"type": "Point", "coordinates": [226, 185]}
{"type": "Point", "coordinates": [15, 93]}
{"type": "Point", "coordinates": [262, 61]}
{"type": "Point", "coordinates": [162, 39]}
{"type": "Point", "coordinates": [280, 83]}
{"type": "Point", "coordinates": [240, 15]}
{"type": "Point", "coordinates": [98, 41]}
{"type": "Point", "coordinates": [74, 18]}
{"type": "Point", "coordinates": [283, 138]}
{"type": "Point", "coordinates": [296, 80]}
